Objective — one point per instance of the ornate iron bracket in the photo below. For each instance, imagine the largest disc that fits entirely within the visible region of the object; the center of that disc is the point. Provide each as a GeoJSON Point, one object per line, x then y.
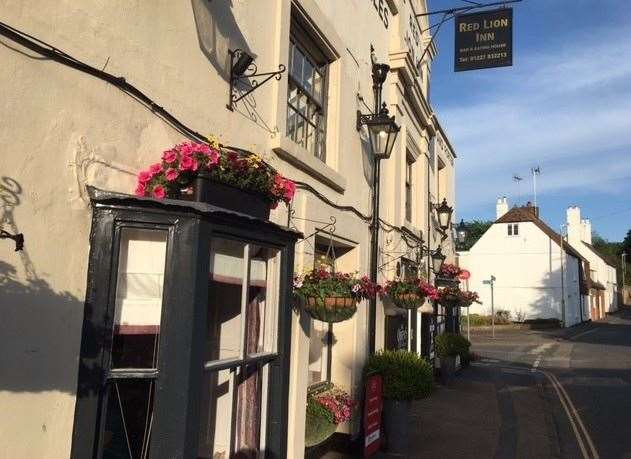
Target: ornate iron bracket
{"type": "Point", "coordinates": [243, 68]}
{"type": "Point", "coordinates": [17, 238]}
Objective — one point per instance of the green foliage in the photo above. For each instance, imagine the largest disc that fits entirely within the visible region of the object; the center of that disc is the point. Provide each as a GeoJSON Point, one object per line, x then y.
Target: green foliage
{"type": "Point", "coordinates": [478, 320]}
{"type": "Point", "coordinates": [475, 230]}
{"type": "Point", "coordinates": [452, 344]}
{"type": "Point", "coordinates": [406, 376]}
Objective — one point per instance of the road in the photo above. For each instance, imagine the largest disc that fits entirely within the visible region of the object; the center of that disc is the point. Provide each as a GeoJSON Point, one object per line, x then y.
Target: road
{"type": "Point", "coordinates": [561, 393]}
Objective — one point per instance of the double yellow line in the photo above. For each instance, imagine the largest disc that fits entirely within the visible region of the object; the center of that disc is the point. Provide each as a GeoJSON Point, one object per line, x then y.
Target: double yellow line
{"type": "Point", "coordinates": [581, 433]}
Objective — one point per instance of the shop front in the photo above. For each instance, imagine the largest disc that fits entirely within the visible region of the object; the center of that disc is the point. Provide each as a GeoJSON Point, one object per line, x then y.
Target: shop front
{"type": "Point", "coordinates": [185, 347]}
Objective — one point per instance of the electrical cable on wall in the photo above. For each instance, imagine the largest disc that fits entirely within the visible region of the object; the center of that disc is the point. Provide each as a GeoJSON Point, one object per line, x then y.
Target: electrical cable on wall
{"type": "Point", "coordinates": [45, 49]}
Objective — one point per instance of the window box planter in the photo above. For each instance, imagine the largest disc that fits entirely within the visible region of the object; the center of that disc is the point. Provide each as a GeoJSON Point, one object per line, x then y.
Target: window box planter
{"type": "Point", "coordinates": [227, 178]}
{"type": "Point", "coordinates": [207, 190]}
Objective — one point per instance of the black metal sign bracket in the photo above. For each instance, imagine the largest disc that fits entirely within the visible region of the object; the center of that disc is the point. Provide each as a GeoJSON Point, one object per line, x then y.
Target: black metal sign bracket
{"type": "Point", "coordinates": [243, 68]}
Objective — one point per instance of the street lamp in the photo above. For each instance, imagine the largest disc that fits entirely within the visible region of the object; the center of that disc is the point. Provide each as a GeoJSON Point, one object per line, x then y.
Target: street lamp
{"type": "Point", "coordinates": [444, 214]}
{"type": "Point", "coordinates": [382, 133]}
{"type": "Point", "coordinates": [438, 258]}
{"type": "Point", "coordinates": [461, 232]}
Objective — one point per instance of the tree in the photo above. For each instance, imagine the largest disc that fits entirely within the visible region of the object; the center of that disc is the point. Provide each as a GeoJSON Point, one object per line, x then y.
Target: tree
{"type": "Point", "coordinates": [626, 245]}
{"type": "Point", "coordinates": [475, 230]}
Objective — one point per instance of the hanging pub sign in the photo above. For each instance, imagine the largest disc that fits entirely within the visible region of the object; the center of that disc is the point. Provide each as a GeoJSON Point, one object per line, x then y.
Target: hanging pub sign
{"type": "Point", "coordinates": [484, 40]}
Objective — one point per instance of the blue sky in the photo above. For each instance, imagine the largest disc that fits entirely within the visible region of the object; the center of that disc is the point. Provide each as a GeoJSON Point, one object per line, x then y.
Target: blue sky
{"type": "Point", "coordinates": [565, 105]}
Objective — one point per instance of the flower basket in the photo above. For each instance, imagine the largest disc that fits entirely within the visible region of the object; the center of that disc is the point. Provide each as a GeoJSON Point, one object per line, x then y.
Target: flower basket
{"type": "Point", "coordinates": [408, 300]}
{"type": "Point", "coordinates": [449, 297]}
{"type": "Point", "coordinates": [409, 293]}
{"type": "Point", "coordinates": [206, 189]}
{"type": "Point", "coordinates": [332, 297]}
{"type": "Point", "coordinates": [317, 429]}
{"type": "Point", "coordinates": [331, 309]}
{"type": "Point", "coordinates": [327, 406]}
{"type": "Point", "coordinates": [227, 178]}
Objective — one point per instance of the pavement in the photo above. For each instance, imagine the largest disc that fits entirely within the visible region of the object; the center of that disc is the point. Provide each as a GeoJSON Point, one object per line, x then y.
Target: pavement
{"type": "Point", "coordinates": [533, 394]}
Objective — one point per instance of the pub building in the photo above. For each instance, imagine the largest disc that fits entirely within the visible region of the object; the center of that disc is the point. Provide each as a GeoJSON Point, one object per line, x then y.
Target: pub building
{"type": "Point", "coordinates": [163, 326]}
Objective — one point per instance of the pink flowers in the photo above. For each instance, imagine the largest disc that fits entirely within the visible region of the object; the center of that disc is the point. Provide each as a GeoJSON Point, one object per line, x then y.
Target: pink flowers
{"type": "Point", "coordinates": [171, 174]}
{"type": "Point", "coordinates": [174, 175]}
{"type": "Point", "coordinates": [338, 405]}
{"type": "Point", "coordinates": [450, 271]}
{"type": "Point", "coordinates": [159, 192]}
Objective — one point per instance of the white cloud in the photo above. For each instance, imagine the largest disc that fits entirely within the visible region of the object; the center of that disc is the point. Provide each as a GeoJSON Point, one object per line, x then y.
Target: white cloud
{"type": "Point", "coordinates": [567, 110]}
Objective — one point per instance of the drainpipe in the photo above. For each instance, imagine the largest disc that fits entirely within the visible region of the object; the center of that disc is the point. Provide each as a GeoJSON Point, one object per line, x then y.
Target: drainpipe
{"type": "Point", "coordinates": [562, 279]}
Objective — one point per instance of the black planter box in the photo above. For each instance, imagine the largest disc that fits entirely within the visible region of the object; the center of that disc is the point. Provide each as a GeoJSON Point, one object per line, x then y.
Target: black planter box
{"type": "Point", "coordinates": [228, 197]}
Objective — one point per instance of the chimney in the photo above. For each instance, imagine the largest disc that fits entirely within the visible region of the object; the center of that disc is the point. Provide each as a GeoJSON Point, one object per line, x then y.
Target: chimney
{"type": "Point", "coordinates": [532, 209]}
{"type": "Point", "coordinates": [574, 224]}
{"type": "Point", "coordinates": [501, 207]}
{"type": "Point", "coordinates": [586, 227]}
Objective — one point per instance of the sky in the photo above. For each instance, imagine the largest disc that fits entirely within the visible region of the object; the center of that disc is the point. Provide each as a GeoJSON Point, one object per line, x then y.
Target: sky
{"type": "Point", "coordinates": [564, 105]}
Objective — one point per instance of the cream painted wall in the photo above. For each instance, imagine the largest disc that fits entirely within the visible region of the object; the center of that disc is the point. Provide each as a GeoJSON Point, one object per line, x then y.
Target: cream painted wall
{"type": "Point", "coordinates": [527, 268]}
{"type": "Point", "coordinates": [579, 231]}
{"type": "Point", "coordinates": [64, 129]}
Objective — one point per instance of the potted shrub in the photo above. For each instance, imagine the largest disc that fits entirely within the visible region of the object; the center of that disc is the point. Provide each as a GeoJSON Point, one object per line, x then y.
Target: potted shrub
{"type": "Point", "coordinates": [406, 377]}
{"type": "Point", "coordinates": [226, 178]}
{"type": "Point", "coordinates": [332, 297]}
{"type": "Point", "coordinates": [450, 347]}
{"type": "Point", "coordinates": [410, 294]}
{"type": "Point", "coordinates": [327, 406]}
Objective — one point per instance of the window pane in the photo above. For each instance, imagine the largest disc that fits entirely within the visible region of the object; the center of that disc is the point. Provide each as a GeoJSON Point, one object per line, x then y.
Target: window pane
{"type": "Point", "coordinates": [291, 123]}
{"type": "Point", "coordinates": [318, 87]}
{"type": "Point", "coordinates": [248, 413]}
{"type": "Point", "coordinates": [216, 415]}
{"type": "Point", "coordinates": [321, 145]}
{"type": "Point", "coordinates": [224, 334]}
{"type": "Point", "coordinates": [261, 310]}
{"type": "Point", "coordinates": [296, 64]}
{"type": "Point", "coordinates": [128, 419]}
{"type": "Point", "coordinates": [300, 131]}
{"type": "Point", "coordinates": [307, 76]}
{"type": "Point", "coordinates": [139, 298]}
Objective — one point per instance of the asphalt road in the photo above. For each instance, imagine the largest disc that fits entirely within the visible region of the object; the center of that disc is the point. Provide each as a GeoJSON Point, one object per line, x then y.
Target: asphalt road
{"type": "Point", "coordinates": [561, 394]}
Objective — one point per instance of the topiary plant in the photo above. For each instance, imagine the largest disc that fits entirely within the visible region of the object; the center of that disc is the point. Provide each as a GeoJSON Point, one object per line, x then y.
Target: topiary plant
{"type": "Point", "coordinates": [451, 345]}
{"type": "Point", "coordinates": [406, 376]}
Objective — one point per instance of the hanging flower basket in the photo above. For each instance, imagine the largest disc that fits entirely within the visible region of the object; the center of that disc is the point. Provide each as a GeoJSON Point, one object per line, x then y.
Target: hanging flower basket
{"type": "Point", "coordinates": [468, 298]}
{"type": "Point", "coordinates": [449, 297]}
{"type": "Point", "coordinates": [331, 309]}
{"type": "Point", "coordinates": [332, 297]}
{"type": "Point", "coordinates": [234, 180]}
{"type": "Point", "coordinates": [327, 406]}
{"type": "Point", "coordinates": [409, 294]}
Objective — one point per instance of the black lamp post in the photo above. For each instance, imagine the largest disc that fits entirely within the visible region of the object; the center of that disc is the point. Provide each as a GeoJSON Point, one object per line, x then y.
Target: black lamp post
{"type": "Point", "coordinates": [438, 258]}
{"type": "Point", "coordinates": [461, 233]}
{"type": "Point", "coordinates": [382, 131]}
{"type": "Point", "coordinates": [444, 214]}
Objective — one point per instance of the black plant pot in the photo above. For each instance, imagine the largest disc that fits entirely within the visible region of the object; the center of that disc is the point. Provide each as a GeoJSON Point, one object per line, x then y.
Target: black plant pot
{"type": "Point", "coordinates": [447, 368]}
{"type": "Point", "coordinates": [228, 197]}
{"type": "Point", "coordinates": [396, 425]}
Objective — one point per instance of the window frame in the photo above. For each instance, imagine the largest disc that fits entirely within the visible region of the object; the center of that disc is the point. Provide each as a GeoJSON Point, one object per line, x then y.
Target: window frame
{"type": "Point", "coordinates": [183, 322]}
{"type": "Point", "coordinates": [302, 39]}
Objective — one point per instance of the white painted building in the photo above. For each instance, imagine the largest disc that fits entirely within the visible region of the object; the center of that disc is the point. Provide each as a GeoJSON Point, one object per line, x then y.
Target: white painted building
{"type": "Point", "coordinates": [538, 275]}
{"type": "Point", "coordinates": [602, 275]}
